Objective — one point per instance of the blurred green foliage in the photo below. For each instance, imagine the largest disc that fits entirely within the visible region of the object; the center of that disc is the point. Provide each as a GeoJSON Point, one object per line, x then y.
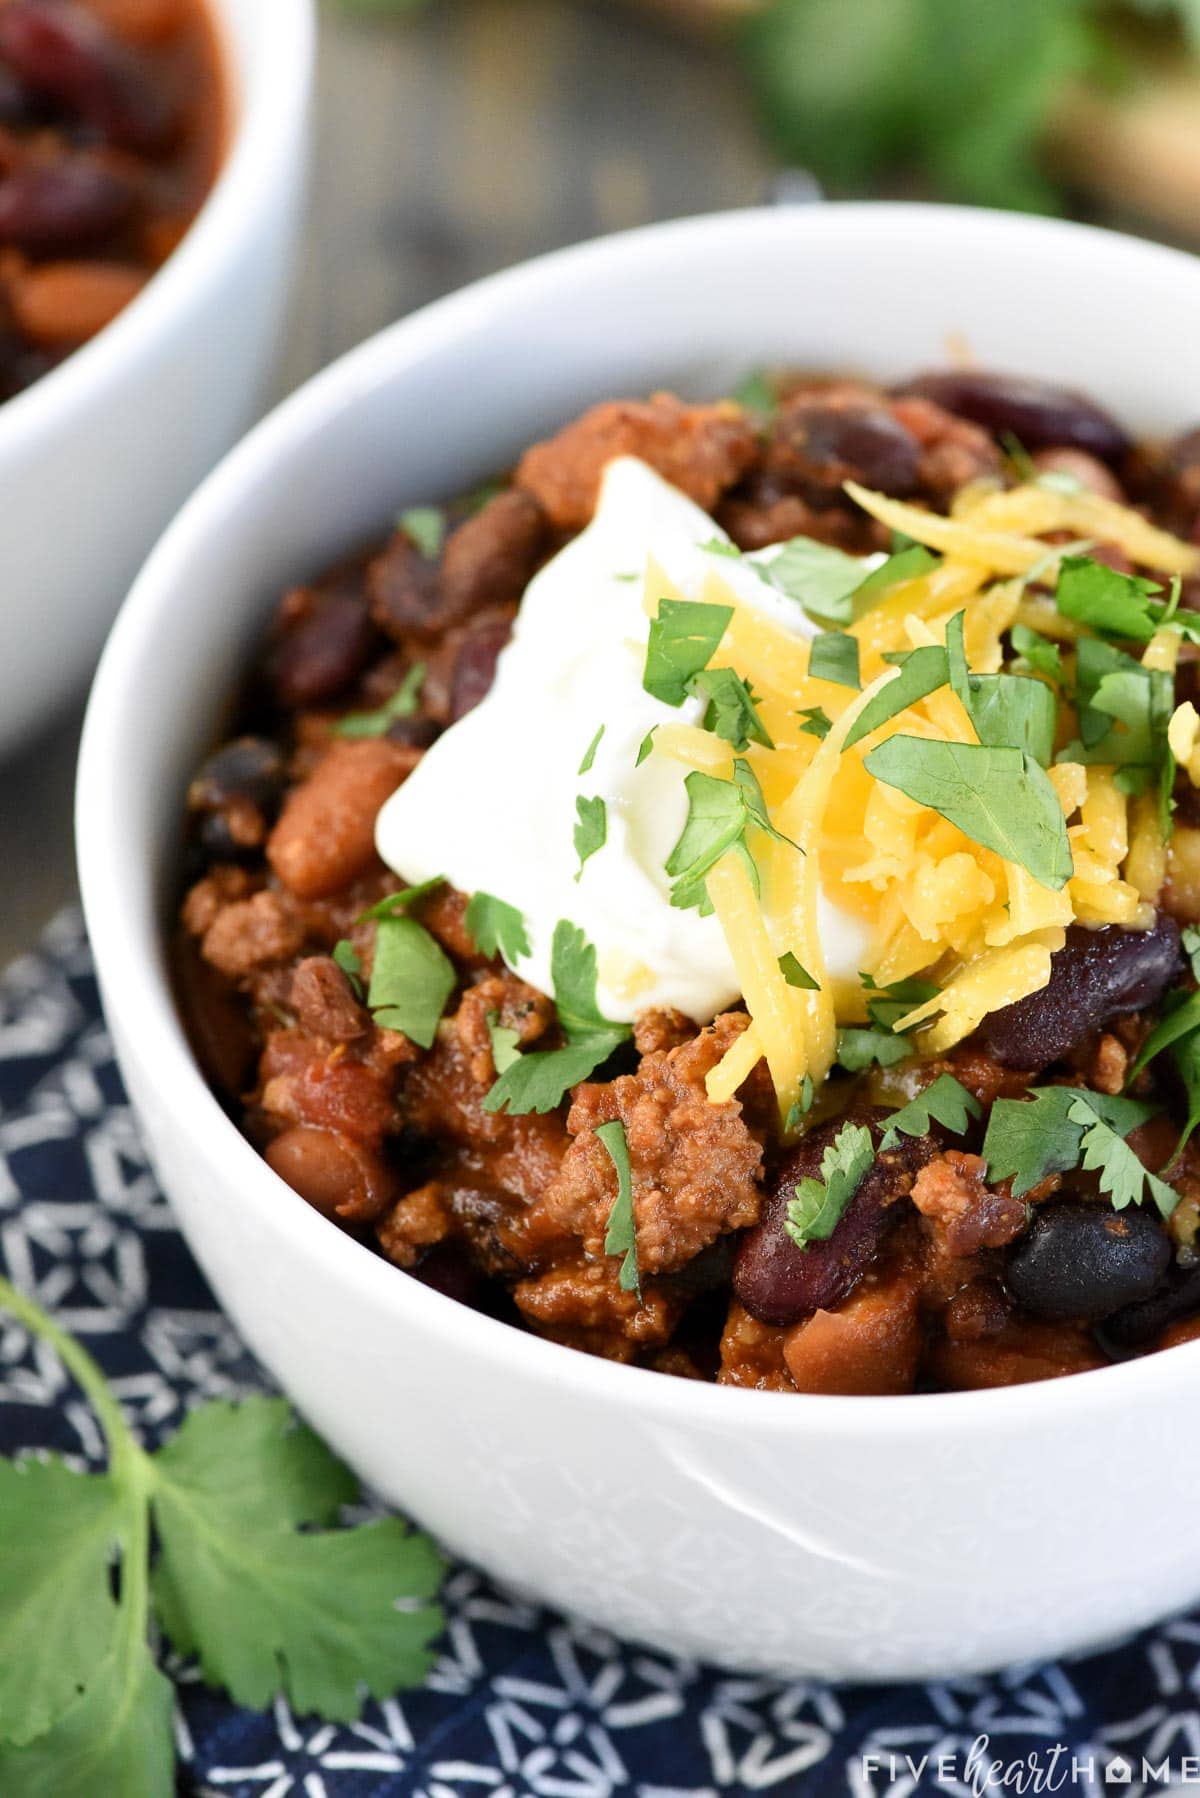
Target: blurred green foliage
{"type": "Point", "coordinates": [953, 93]}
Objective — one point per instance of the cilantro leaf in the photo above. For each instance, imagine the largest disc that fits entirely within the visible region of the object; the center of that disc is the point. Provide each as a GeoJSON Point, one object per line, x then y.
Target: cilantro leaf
{"type": "Point", "coordinates": [922, 672]}
{"type": "Point", "coordinates": [1179, 1021]}
{"type": "Point", "coordinates": [1011, 711]}
{"type": "Point", "coordinates": [264, 1605]}
{"type": "Point", "coordinates": [347, 958]}
{"type": "Point", "coordinates": [1031, 1138]}
{"type": "Point", "coordinates": [59, 1530]}
{"type": "Point", "coordinates": [999, 797]}
{"type": "Point", "coordinates": [539, 1081]}
{"type": "Point", "coordinates": [585, 766]}
{"type": "Point", "coordinates": [497, 928]}
{"type": "Point", "coordinates": [426, 527]}
{"type": "Point", "coordinates": [1185, 1055]}
{"type": "Point", "coordinates": [1123, 1177]}
{"type": "Point", "coordinates": [1190, 939]}
{"type": "Point", "coordinates": [818, 1207]}
{"type": "Point", "coordinates": [945, 1101]}
{"type": "Point", "coordinates": [683, 639]}
{"type": "Point", "coordinates": [1112, 604]}
{"type": "Point", "coordinates": [816, 722]}
{"type": "Point", "coordinates": [1043, 656]}
{"type": "Point", "coordinates": [858, 1048]}
{"type": "Point", "coordinates": [506, 1043]}
{"type": "Point", "coordinates": [834, 657]}
{"type": "Point", "coordinates": [816, 576]}
{"type": "Point", "coordinates": [732, 711]}
{"type": "Point", "coordinates": [756, 394]}
{"type": "Point", "coordinates": [646, 746]}
{"type": "Point", "coordinates": [890, 1003]}
{"type": "Point", "coordinates": [591, 828]}
{"type": "Point", "coordinates": [411, 979]}
{"type": "Point", "coordinates": [394, 903]}
{"type": "Point", "coordinates": [620, 1238]}
{"type": "Point", "coordinates": [116, 1738]}
{"type": "Point", "coordinates": [907, 564]}
{"type": "Point", "coordinates": [719, 813]}
{"type": "Point", "coordinates": [799, 1108]}
{"type": "Point", "coordinates": [402, 704]}
{"type": "Point", "coordinates": [796, 975]}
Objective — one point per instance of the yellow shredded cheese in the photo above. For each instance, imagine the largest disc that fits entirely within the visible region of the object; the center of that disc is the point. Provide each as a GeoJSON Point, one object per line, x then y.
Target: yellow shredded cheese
{"type": "Point", "coordinates": [769, 998]}
{"type": "Point", "coordinates": [734, 1067]}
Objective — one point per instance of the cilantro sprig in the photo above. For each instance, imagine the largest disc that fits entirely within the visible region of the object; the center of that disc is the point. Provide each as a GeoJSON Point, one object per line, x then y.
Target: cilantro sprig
{"type": "Point", "coordinates": [620, 1237]}
{"type": "Point", "coordinates": [1055, 1129]}
{"type": "Point", "coordinates": [402, 704]}
{"type": "Point", "coordinates": [720, 812]}
{"type": "Point", "coordinates": [539, 1081]}
{"type": "Point", "coordinates": [819, 1205]}
{"type": "Point", "coordinates": [944, 1101]}
{"type": "Point", "coordinates": [224, 1540]}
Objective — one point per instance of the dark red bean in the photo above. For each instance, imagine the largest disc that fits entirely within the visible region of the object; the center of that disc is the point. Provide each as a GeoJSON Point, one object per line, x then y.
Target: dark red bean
{"type": "Point", "coordinates": [405, 591]}
{"type": "Point", "coordinates": [326, 649]}
{"type": "Point", "coordinates": [61, 51]}
{"type": "Point", "coordinates": [1038, 414]}
{"type": "Point", "coordinates": [1096, 976]}
{"type": "Point", "coordinates": [446, 1269]}
{"type": "Point", "coordinates": [49, 208]}
{"type": "Point", "coordinates": [823, 442]}
{"type": "Point", "coordinates": [415, 733]}
{"type": "Point", "coordinates": [475, 665]}
{"type": "Point", "coordinates": [1085, 1261]}
{"type": "Point", "coordinates": [18, 107]}
{"type": "Point", "coordinates": [780, 1283]}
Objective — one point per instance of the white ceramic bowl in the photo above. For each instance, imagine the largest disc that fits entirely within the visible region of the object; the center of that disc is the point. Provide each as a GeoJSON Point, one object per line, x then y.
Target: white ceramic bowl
{"type": "Point", "coordinates": [839, 1536]}
{"type": "Point", "coordinates": [96, 456]}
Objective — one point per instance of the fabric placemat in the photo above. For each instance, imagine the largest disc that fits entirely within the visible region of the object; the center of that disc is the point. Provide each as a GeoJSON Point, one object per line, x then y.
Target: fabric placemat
{"type": "Point", "coordinates": [522, 1703]}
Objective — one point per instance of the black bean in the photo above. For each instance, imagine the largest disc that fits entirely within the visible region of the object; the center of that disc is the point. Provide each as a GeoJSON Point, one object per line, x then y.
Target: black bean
{"type": "Point", "coordinates": [249, 768]}
{"type": "Point", "coordinates": [1137, 1325]}
{"type": "Point", "coordinates": [779, 1282]}
{"type": "Point", "coordinates": [1081, 1260]}
{"type": "Point", "coordinates": [475, 666]}
{"type": "Point", "coordinates": [326, 649]}
{"type": "Point", "coordinates": [1037, 413]}
{"type": "Point", "coordinates": [1096, 976]}
{"type": "Point", "coordinates": [824, 442]}
{"type": "Point", "coordinates": [446, 1269]}
{"type": "Point", "coordinates": [52, 207]}
{"type": "Point", "coordinates": [59, 50]}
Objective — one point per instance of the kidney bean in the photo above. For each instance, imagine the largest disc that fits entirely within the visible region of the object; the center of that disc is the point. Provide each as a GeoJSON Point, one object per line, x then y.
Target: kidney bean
{"type": "Point", "coordinates": [415, 732]}
{"type": "Point", "coordinates": [324, 651]}
{"type": "Point", "coordinates": [446, 1269]}
{"type": "Point", "coordinates": [62, 51]}
{"type": "Point", "coordinates": [824, 440]}
{"type": "Point", "coordinates": [1081, 1260]}
{"type": "Point", "coordinates": [337, 1176]}
{"type": "Point", "coordinates": [1037, 413]}
{"type": "Point", "coordinates": [61, 304]}
{"type": "Point", "coordinates": [19, 109]}
{"type": "Point", "coordinates": [405, 592]}
{"type": "Point", "coordinates": [490, 559]}
{"type": "Point", "coordinates": [1137, 1325]}
{"type": "Point", "coordinates": [780, 1283]}
{"type": "Point", "coordinates": [475, 662]}
{"type": "Point", "coordinates": [1097, 975]}
{"type": "Point", "coordinates": [141, 21]}
{"type": "Point", "coordinates": [1089, 471]}
{"type": "Point", "coordinates": [50, 207]}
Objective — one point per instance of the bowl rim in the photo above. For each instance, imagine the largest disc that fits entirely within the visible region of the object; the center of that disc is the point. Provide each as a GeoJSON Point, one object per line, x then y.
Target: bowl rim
{"type": "Point", "coordinates": [261, 132]}
{"type": "Point", "coordinates": [125, 931]}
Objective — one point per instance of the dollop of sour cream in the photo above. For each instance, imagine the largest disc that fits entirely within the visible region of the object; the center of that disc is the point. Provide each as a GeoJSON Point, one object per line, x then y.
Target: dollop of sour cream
{"type": "Point", "coordinates": [492, 805]}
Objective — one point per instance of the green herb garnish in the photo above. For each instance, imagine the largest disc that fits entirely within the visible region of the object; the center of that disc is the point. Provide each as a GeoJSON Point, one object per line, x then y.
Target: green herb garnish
{"type": "Point", "coordinates": [834, 657]}
{"type": "Point", "coordinates": [223, 1540]}
{"type": "Point", "coordinates": [347, 958]}
{"type": "Point", "coordinates": [539, 1081]}
{"type": "Point", "coordinates": [683, 639]}
{"type": "Point", "coordinates": [732, 711]}
{"type": "Point", "coordinates": [945, 1101]}
{"type": "Point", "coordinates": [816, 722]}
{"type": "Point", "coordinates": [796, 974]}
{"type": "Point", "coordinates": [620, 1238]}
{"type": "Point", "coordinates": [426, 526]}
{"type": "Point", "coordinates": [585, 766]}
{"type": "Point", "coordinates": [591, 829]}
{"type": "Point", "coordinates": [412, 977]}
{"type": "Point", "coordinates": [392, 904]}
{"type": "Point", "coordinates": [922, 671]}
{"type": "Point", "coordinates": [1043, 656]}
{"type": "Point", "coordinates": [646, 746]}
{"type": "Point", "coordinates": [1029, 1139]}
{"type": "Point", "coordinates": [858, 1048]}
{"type": "Point", "coordinates": [496, 928]}
{"type": "Point", "coordinates": [756, 394]}
{"type": "Point", "coordinates": [819, 1205]}
{"type": "Point", "coordinates": [819, 578]}
{"type": "Point", "coordinates": [402, 704]}
{"type": "Point", "coordinates": [506, 1043]}
{"type": "Point", "coordinates": [719, 814]}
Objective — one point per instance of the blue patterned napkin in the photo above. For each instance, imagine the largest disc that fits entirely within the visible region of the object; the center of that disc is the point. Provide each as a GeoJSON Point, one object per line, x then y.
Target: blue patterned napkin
{"type": "Point", "coordinates": [523, 1704]}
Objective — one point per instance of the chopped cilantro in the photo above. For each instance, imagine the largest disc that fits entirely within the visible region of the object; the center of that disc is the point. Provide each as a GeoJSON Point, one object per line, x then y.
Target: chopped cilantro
{"type": "Point", "coordinates": [620, 1238]}
{"type": "Point", "coordinates": [1123, 1177]}
{"type": "Point", "coordinates": [945, 1101]}
{"type": "Point", "coordinates": [1190, 938]}
{"type": "Point", "coordinates": [1180, 1016]}
{"type": "Point", "coordinates": [719, 813]}
{"type": "Point", "coordinates": [799, 1108]}
{"type": "Point", "coordinates": [497, 928]}
{"type": "Point", "coordinates": [858, 1048]}
{"type": "Point", "coordinates": [585, 766]}
{"type": "Point", "coordinates": [1112, 604]}
{"type": "Point", "coordinates": [998, 797]}
{"type": "Point", "coordinates": [1043, 656]}
{"type": "Point", "coordinates": [732, 708]}
{"type": "Point", "coordinates": [756, 394]}
{"type": "Point", "coordinates": [816, 576]}
{"type": "Point", "coordinates": [591, 829]}
{"type": "Point", "coordinates": [834, 657]}
{"type": "Point", "coordinates": [393, 903]}
{"type": "Point", "coordinates": [426, 526]}
{"type": "Point", "coordinates": [819, 1205]}
{"type": "Point", "coordinates": [891, 1003]}
{"type": "Point", "coordinates": [1008, 711]}
{"type": "Point", "coordinates": [350, 962]}
{"type": "Point", "coordinates": [922, 671]}
{"type": "Point", "coordinates": [906, 564]}
{"type": "Point", "coordinates": [402, 704]}
{"type": "Point", "coordinates": [505, 1042]}
{"type": "Point", "coordinates": [1031, 1138]}
{"type": "Point", "coordinates": [683, 639]}
{"type": "Point", "coordinates": [411, 979]}
{"type": "Point", "coordinates": [816, 722]}
{"type": "Point", "coordinates": [646, 746]}
{"type": "Point", "coordinates": [539, 1081]}
{"type": "Point", "coordinates": [796, 975]}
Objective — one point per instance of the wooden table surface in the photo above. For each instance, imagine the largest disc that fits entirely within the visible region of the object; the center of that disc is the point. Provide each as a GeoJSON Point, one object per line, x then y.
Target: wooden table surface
{"type": "Point", "coordinates": [460, 141]}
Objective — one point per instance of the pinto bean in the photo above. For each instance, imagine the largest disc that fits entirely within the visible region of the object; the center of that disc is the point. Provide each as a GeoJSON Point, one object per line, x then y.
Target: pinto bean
{"type": "Point", "coordinates": [60, 50]}
{"type": "Point", "coordinates": [1039, 414]}
{"type": "Point", "coordinates": [475, 662]}
{"type": "Point", "coordinates": [324, 649]}
{"type": "Point", "coordinates": [822, 440]}
{"type": "Point", "coordinates": [60, 304]}
{"type": "Point", "coordinates": [325, 837]}
{"type": "Point", "coordinates": [1084, 1260]}
{"type": "Point", "coordinates": [1096, 976]}
{"type": "Point", "coordinates": [340, 1178]}
{"type": "Point", "coordinates": [50, 207]}
{"type": "Point", "coordinates": [780, 1283]}
{"type": "Point", "coordinates": [870, 1345]}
